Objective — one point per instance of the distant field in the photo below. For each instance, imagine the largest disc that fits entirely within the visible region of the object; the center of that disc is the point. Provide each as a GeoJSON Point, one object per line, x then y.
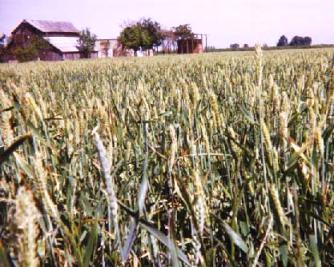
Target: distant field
{"type": "Point", "coordinates": [274, 48]}
{"type": "Point", "coordinates": [194, 160]}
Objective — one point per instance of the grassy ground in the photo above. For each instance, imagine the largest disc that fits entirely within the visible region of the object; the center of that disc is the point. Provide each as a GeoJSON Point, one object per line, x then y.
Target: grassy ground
{"type": "Point", "coordinates": [169, 161]}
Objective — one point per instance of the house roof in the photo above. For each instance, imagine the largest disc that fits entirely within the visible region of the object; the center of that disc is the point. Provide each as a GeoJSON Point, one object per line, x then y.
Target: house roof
{"type": "Point", "coordinates": [48, 26]}
{"type": "Point", "coordinates": [64, 44]}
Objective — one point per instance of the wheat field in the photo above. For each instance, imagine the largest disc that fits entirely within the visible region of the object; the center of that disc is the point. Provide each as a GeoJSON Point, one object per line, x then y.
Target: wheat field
{"type": "Point", "coordinates": [220, 159]}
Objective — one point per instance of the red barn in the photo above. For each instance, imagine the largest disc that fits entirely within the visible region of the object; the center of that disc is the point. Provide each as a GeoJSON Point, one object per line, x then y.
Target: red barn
{"type": "Point", "coordinates": [61, 39]}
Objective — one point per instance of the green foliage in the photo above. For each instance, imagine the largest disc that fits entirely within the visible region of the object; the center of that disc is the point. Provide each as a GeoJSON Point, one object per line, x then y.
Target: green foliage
{"type": "Point", "coordinates": [283, 41]}
{"type": "Point", "coordinates": [143, 34]}
{"type": "Point", "coordinates": [2, 53]}
{"type": "Point", "coordinates": [153, 29]}
{"type": "Point", "coordinates": [132, 37]}
{"type": "Point", "coordinates": [31, 51]}
{"type": "Point", "coordinates": [25, 54]}
{"type": "Point", "coordinates": [301, 41]}
{"type": "Point", "coordinates": [183, 31]}
{"type": "Point", "coordinates": [86, 43]}
{"type": "Point", "coordinates": [208, 160]}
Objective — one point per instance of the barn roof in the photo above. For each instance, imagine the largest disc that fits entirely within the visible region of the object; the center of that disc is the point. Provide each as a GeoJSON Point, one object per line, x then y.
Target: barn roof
{"type": "Point", "coordinates": [48, 26]}
{"type": "Point", "coordinates": [64, 44]}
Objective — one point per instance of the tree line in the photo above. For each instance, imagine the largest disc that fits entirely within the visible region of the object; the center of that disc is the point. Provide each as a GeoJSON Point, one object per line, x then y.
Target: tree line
{"type": "Point", "coordinates": [282, 42]}
{"type": "Point", "coordinates": [295, 41]}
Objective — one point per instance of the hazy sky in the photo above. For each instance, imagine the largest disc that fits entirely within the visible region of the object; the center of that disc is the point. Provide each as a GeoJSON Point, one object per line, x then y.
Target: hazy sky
{"type": "Point", "coordinates": [225, 22]}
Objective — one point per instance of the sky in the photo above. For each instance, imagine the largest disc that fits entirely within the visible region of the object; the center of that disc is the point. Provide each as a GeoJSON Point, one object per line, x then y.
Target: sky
{"type": "Point", "coordinates": [225, 22]}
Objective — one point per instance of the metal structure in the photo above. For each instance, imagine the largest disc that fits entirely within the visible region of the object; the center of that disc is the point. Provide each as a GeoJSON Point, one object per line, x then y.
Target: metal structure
{"type": "Point", "coordinates": [198, 43]}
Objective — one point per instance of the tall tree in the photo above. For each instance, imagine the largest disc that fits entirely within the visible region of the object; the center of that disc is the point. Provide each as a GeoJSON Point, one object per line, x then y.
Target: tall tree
{"type": "Point", "coordinates": [234, 46]}
{"type": "Point", "coordinates": [130, 37]}
{"type": "Point", "coordinates": [297, 41]}
{"type": "Point", "coordinates": [153, 29]}
{"type": "Point", "coordinates": [301, 41]}
{"type": "Point", "coordinates": [86, 43]}
{"type": "Point", "coordinates": [307, 40]}
{"type": "Point", "coordinates": [183, 31]}
{"type": "Point", "coordinates": [144, 34]}
{"type": "Point", "coordinates": [283, 41]}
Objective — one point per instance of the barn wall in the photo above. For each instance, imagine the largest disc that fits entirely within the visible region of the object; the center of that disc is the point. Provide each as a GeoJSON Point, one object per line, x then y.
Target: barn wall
{"type": "Point", "coordinates": [50, 55]}
{"type": "Point", "coordinates": [61, 34]}
{"type": "Point", "coordinates": [71, 56]}
{"type": "Point", "coordinates": [22, 36]}
{"type": "Point", "coordinates": [76, 55]}
{"type": "Point", "coordinates": [94, 55]}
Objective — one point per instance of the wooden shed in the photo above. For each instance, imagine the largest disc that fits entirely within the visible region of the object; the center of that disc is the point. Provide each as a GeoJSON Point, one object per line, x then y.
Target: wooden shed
{"type": "Point", "coordinates": [61, 38]}
{"type": "Point", "coordinates": [189, 46]}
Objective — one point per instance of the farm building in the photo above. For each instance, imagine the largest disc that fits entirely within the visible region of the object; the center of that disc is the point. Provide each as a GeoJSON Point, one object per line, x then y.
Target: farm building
{"type": "Point", "coordinates": [61, 39]}
{"type": "Point", "coordinates": [106, 47]}
{"type": "Point", "coordinates": [186, 46]}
